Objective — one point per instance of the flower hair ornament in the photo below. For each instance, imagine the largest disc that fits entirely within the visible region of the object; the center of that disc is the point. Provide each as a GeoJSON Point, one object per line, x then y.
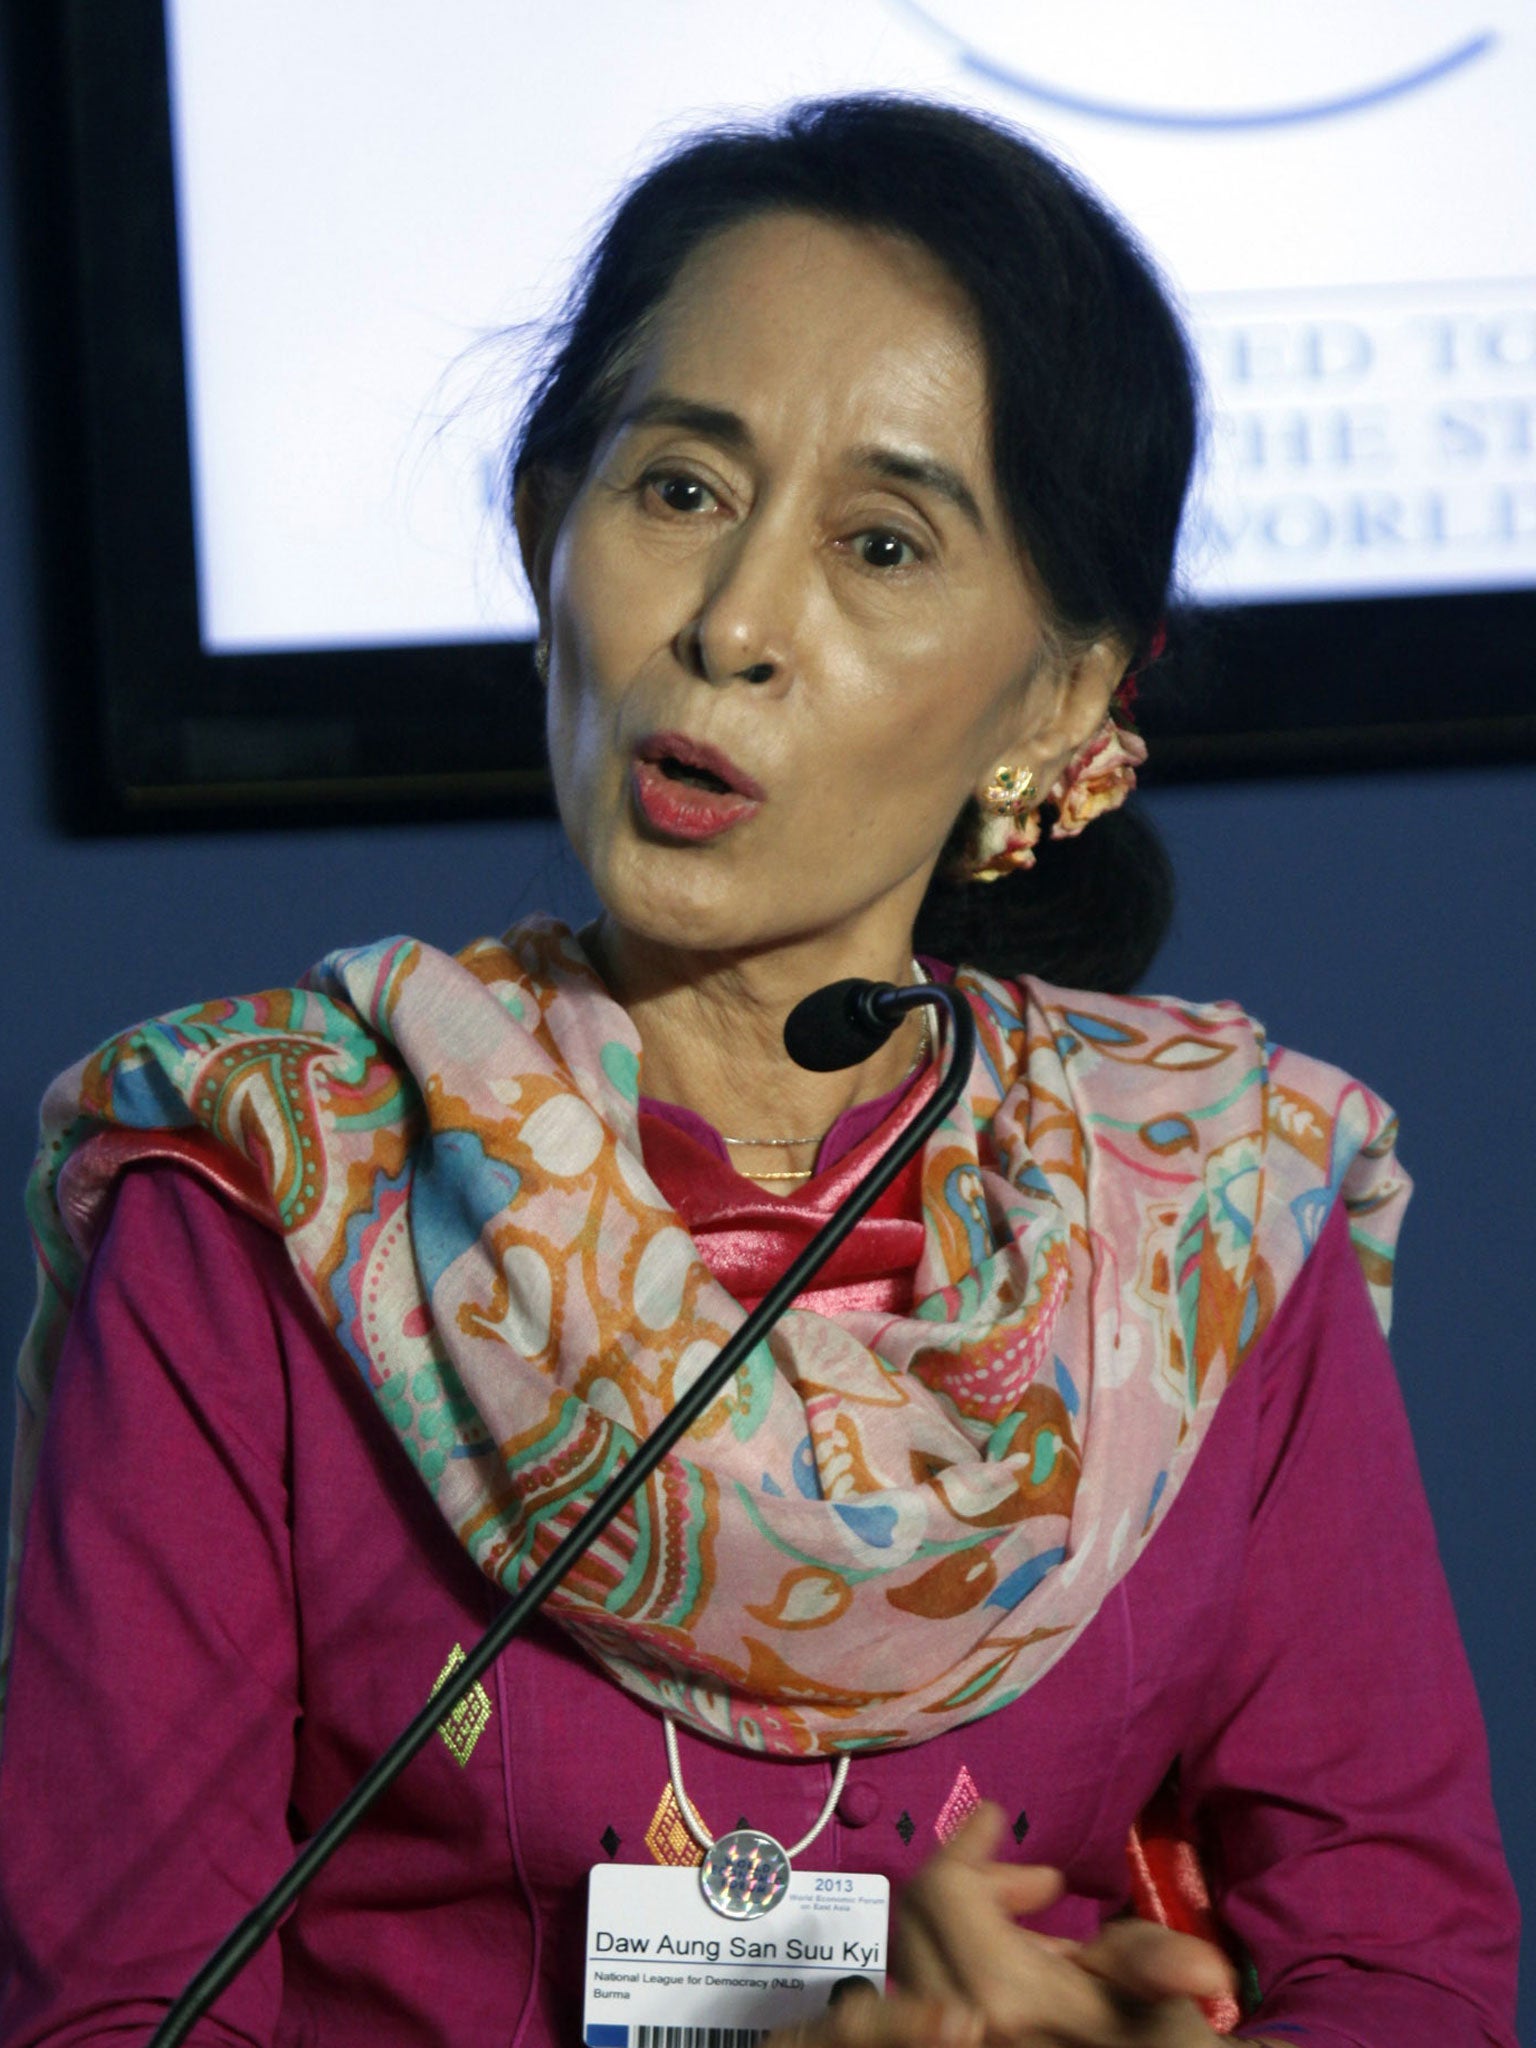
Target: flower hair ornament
{"type": "Point", "coordinates": [1098, 778]}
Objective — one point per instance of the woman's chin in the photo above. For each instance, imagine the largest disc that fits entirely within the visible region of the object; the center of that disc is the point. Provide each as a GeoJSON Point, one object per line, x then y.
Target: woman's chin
{"type": "Point", "coordinates": [680, 925]}
{"type": "Point", "coordinates": [691, 900]}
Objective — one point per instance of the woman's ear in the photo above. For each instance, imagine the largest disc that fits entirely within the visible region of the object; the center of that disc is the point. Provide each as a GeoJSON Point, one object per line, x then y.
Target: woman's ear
{"type": "Point", "coordinates": [1067, 703]}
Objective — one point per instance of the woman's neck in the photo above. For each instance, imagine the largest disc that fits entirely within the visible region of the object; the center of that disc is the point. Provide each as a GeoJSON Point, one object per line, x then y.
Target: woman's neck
{"type": "Point", "coordinates": [712, 1034]}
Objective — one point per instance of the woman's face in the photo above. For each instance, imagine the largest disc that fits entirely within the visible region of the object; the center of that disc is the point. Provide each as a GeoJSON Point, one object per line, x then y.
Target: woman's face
{"type": "Point", "coordinates": [790, 632]}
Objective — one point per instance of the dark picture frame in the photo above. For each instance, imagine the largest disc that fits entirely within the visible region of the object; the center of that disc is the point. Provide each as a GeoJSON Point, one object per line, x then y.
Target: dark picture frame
{"type": "Point", "coordinates": [152, 732]}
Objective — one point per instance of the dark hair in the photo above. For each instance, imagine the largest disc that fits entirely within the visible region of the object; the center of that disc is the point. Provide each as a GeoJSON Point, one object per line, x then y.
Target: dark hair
{"type": "Point", "coordinates": [1093, 423]}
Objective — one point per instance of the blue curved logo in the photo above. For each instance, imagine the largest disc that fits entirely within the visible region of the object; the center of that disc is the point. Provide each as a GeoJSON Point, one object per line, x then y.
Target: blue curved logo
{"type": "Point", "coordinates": [1377, 93]}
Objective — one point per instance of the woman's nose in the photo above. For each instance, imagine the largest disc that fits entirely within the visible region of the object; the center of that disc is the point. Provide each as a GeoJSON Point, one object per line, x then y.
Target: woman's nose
{"type": "Point", "coordinates": [748, 614]}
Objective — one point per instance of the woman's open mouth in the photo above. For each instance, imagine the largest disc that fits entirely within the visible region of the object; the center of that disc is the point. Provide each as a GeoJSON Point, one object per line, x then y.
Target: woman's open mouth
{"type": "Point", "coordinates": [687, 790]}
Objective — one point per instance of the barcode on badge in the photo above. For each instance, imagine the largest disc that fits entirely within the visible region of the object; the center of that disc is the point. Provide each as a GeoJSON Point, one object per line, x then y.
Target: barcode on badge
{"type": "Point", "coordinates": [674, 2037]}
{"type": "Point", "coordinates": [696, 2037]}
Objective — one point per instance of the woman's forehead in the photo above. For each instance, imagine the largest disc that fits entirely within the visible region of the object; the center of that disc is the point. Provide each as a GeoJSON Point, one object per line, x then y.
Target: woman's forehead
{"type": "Point", "coordinates": [797, 323]}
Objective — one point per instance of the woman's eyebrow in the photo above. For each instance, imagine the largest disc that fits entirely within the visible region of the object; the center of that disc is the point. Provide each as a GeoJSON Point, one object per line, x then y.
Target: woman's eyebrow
{"type": "Point", "coordinates": [925, 471]}
{"type": "Point", "coordinates": [712, 422]}
{"type": "Point", "coordinates": [728, 429]}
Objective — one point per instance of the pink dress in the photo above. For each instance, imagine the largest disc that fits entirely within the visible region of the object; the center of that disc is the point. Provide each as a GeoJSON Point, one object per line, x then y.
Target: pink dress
{"type": "Point", "coordinates": [255, 1593]}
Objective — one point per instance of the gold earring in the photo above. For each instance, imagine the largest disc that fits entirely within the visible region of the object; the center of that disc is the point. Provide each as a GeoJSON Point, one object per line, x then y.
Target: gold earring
{"type": "Point", "coordinates": [541, 657]}
{"type": "Point", "coordinates": [1008, 792]}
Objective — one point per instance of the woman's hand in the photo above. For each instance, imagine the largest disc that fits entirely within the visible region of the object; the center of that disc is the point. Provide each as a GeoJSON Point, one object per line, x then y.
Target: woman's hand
{"type": "Point", "coordinates": [965, 1975]}
{"type": "Point", "coordinates": [957, 1943]}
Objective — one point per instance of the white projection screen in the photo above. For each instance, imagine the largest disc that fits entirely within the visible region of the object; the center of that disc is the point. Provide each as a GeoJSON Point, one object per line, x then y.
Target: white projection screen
{"type": "Point", "coordinates": [308, 244]}
{"type": "Point", "coordinates": [1341, 196]}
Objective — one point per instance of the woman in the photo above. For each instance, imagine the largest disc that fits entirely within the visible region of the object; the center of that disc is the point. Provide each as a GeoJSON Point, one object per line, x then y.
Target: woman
{"type": "Point", "coordinates": [849, 501]}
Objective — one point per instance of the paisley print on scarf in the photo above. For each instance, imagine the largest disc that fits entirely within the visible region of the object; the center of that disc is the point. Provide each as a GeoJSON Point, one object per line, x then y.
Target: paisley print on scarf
{"type": "Point", "coordinates": [890, 1524]}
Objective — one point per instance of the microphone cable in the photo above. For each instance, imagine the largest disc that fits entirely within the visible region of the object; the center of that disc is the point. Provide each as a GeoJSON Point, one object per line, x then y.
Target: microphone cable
{"type": "Point", "coordinates": [832, 1028]}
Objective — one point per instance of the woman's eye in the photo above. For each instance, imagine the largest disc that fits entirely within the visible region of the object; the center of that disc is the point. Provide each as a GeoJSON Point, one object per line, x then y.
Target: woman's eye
{"type": "Point", "coordinates": [680, 493]}
{"type": "Point", "coordinates": [882, 550]}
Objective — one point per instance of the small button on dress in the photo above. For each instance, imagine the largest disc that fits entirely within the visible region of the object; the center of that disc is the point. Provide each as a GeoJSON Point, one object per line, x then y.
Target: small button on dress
{"type": "Point", "coordinates": [859, 1805]}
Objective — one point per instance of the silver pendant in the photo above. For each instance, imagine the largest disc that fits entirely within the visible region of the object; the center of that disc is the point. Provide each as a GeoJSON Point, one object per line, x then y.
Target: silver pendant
{"type": "Point", "coordinates": [744, 1875]}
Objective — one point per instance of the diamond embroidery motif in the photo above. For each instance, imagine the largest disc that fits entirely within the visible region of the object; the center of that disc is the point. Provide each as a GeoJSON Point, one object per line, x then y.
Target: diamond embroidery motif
{"type": "Point", "coordinates": [1021, 1826]}
{"type": "Point", "coordinates": [962, 1802]}
{"type": "Point", "coordinates": [610, 1841]}
{"type": "Point", "coordinates": [906, 1827]}
{"type": "Point", "coordinates": [462, 1729]}
{"type": "Point", "coordinates": [667, 1839]}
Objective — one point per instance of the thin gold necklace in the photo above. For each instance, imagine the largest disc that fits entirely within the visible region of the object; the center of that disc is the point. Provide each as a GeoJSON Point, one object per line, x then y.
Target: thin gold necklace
{"type": "Point", "coordinates": [786, 1144]}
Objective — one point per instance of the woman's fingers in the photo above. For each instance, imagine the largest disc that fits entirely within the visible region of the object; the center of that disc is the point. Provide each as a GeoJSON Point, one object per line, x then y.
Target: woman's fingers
{"type": "Point", "coordinates": [972, 1847]}
{"type": "Point", "coordinates": [977, 1835]}
{"type": "Point", "coordinates": [919, 1960]}
{"type": "Point", "coordinates": [957, 1943]}
{"type": "Point", "coordinates": [1023, 1888]}
{"type": "Point", "coordinates": [1143, 1961]}
{"type": "Point", "coordinates": [900, 2020]}
{"type": "Point", "coordinates": [961, 1907]}
{"type": "Point", "coordinates": [956, 1938]}
{"type": "Point", "coordinates": [956, 1935]}
{"type": "Point", "coordinates": [1017, 1887]}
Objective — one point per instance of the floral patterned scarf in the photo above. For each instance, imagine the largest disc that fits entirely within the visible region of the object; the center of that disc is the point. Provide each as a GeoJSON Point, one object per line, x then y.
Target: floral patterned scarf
{"type": "Point", "coordinates": [889, 1524]}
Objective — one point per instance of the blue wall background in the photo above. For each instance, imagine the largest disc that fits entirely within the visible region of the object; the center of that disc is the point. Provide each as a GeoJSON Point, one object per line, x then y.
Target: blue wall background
{"type": "Point", "coordinates": [1384, 923]}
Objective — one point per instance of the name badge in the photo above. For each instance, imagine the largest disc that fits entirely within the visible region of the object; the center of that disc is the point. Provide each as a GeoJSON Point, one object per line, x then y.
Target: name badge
{"type": "Point", "coordinates": [665, 1970]}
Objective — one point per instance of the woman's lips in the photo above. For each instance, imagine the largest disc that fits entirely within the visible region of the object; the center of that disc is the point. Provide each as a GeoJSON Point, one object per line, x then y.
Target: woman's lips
{"type": "Point", "coordinates": [685, 805]}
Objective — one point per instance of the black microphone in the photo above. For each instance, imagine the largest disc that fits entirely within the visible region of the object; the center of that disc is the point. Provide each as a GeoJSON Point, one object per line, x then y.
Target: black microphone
{"type": "Point", "coordinates": [855, 1026]}
{"type": "Point", "coordinates": [842, 1024]}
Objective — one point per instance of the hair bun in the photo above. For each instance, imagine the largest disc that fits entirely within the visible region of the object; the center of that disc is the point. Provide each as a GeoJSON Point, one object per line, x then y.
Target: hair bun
{"type": "Point", "coordinates": [1091, 913]}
